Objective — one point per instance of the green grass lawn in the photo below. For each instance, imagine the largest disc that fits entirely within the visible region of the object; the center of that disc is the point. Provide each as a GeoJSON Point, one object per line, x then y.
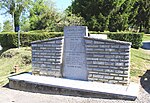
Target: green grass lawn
{"type": "Point", "coordinates": [140, 63]}
{"type": "Point", "coordinates": [12, 57]}
{"type": "Point", "coordinates": [146, 37]}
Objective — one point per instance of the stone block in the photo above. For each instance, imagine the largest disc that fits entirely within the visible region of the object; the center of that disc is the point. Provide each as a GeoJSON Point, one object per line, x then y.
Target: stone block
{"type": "Point", "coordinates": [114, 60]}
{"type": "Point", "coordinates": [92, 59]}
{"type": "Point", "coordinates": [92, 46]}
{"type": "Point", "coordinates": [113, 74]}
{"type": "Point", "coordinates": [127, 64]}
{"type": "Point", "coordinates": [43, 59]}
{"type": "Point", "coordinates": [50, 60]}
{"type": "Point", "coordinates": [104, 46]}
{"type": "Point", "coordinates": [89, 62]}
{"type": "Point", "coordinates": [92, 66]}
{"type": "Point", "coordinates": [124, 53]}
{"type": "Point", "coordinates": [98, 62]}
{"type": "Point", "coordinates": [109, 63]}
{"type": "Point", "coordinates": [89, 49]}
{"type": "Point", "coordinates": [109, 70]}
{"type": "Point", "coordinates": [98, 76]}
{"type": "Point", "coordinates": [119, 78]}
{"type": "Point", "coordinates": [89, 41]}
{"type": "Point", "coordinates": [110, 50]}
{"type": "Point", "coordinates": [98, 50]}
{"type": "Point", "coordinates": [109, 77]}
{"type": "Point", "coordinates": [34, 45]}
{"type": "Point", "coordinates": [115, 46]}
{"type": "Point", "coordinates": [110, 56]}
{"type": "Point", "coordinates": [119, 64]}
{"type": "Point", "coordinates": [114, 53]}
{"type": "Point", "coordinates": [126, 72]}
{"type": "Point", "coordinates": [125, 46]}
{"type": "Point", "coordinates": [98, 69]}
{"type": "Point", "coordinates": [98, 56]}
{"type": "Point", "coordinates": [58, 41]}
{"type": "Point", "coordinates": [112, 81]}
{"type": "Point", "coordinates": [103, 59]}
{"type": "Point", "coordinates": [99, 42]}
{"type": "Point", "coordinates": [119, 71]}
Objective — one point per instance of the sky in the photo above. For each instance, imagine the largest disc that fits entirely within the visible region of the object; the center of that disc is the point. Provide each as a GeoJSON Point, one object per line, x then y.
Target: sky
{"type": "Point", "coordinates": [61, 5]}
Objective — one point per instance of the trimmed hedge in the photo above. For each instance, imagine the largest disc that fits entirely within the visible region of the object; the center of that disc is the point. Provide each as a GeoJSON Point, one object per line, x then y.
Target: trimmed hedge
{"type": "Point", "coordinates": [134, 38]}
{"type": "Point", "coordinates": [10, 39]}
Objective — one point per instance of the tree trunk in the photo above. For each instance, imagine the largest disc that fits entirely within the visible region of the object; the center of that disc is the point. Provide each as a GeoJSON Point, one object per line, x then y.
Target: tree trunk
{"type": "Point", "coordinates": [13, 22]}
{"type": "Point", "coordinates": [16, 21]}
{"type": "Point", "coordinates": [140, 28]}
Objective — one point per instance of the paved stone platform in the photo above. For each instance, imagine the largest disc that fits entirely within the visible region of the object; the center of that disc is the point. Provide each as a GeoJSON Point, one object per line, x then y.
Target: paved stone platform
{"type": "Point", "coordinates": [43, 84]}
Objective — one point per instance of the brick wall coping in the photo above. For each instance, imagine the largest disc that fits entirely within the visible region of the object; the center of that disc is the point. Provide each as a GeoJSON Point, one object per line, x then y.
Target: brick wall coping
{"type": "Point", "coordinates": [109, 40]}
{"type": "Point", "coordinates": [46, 40]}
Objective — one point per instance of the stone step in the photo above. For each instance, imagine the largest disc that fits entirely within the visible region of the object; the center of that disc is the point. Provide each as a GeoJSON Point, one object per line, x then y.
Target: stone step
{"type": "Point", "coordinates": [51, 85]}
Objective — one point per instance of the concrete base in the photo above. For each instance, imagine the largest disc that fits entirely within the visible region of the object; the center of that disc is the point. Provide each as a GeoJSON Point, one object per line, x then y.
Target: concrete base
{"type": "Point", "coordinates": [42, 84]}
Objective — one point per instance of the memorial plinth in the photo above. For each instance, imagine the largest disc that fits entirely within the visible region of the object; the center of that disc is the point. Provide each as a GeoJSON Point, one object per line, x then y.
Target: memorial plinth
{"type": "Point", "coordinates": [74, 65]}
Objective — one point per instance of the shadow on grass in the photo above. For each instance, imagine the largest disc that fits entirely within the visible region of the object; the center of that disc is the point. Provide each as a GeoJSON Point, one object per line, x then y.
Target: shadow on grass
{"type": "Point", "coordinates": [145, 81]}
{"type": "Point", "coordinates": [3, 50]}
{"type": "Point", "coordinates": [142, 58]}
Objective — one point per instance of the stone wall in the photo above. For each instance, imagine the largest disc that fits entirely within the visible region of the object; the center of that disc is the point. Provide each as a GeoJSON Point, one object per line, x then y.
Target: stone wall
{"type": "Point", "coordinates": [108, 60]}
{"type": "Point", "coordinates": [47, 57]}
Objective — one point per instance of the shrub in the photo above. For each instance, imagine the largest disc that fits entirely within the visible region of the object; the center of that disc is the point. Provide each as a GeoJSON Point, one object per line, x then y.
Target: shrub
{"type": "Point", "coordinates": [10, 39]}
{"type": "Point", "coordinates": [134, 38]}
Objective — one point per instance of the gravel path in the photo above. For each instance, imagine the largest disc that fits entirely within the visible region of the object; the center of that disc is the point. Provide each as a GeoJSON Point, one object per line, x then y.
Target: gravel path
{"type": "Point", "coordinates": [15, 96]}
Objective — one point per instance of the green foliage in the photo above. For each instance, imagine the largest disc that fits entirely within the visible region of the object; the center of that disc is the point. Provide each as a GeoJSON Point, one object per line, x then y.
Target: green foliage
{"type": "Point", "coordinates": [120, 18]}
{"type": "Point", "coordinates": [43, 15]}
{"type": "Point", "coordinates": [7, 27]}
{"type": "Point", "coordinates": [69, 19]}
{"type": "Point", "coordinates": [113, 15]}
{"type": "Point", "coordinates": [0, 27]}
{"type": "Point", "coordinates": [142, 19]}
{"type": "Point", "coordinates": [134, 38]}
{"type": "Point", "coordinates": [15, 8]}
{"type": "Point", "coordinates": [10, 39]}
{"type": "Point", "coordinates": [104, 15]}
{"type": "Point", "coordinates": [25, 24]}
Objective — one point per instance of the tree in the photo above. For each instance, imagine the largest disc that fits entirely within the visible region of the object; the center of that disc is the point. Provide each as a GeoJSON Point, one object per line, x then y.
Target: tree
{"type": "Point", "coordinates": [103, 15]}
{"type": "Point", "coordinates": [95, 12]}
{"type": "Point", "coordinates": [142, 19]}
{"type": "Point", "coordinates": [15, 8]}
{"type": "Point", "coordinates": [7, 27]}
{"type": "Point", "coordinates": [25, 23]}
{"type": "Point", "coordinates": [43, 15]}
{"type": "Point", "coordinates": [0, 27]}
{"type": "Point", "coordinates": [69, 19]}
{"type": "Point", "coordinates": [121, 18]}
